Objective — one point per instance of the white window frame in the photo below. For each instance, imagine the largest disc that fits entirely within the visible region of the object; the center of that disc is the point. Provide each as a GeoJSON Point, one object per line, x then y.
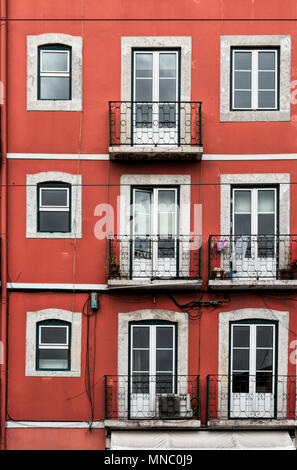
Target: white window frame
{"type": "Point", "coordinates": [254, 78]}
{"type": "Point", "coordinates": [53, 208]}
{"type": "Point", "coordinates": [75, 320]}
{"type": "Point", "coordinates": [75, 181]}
{"type": "Point", "coordinates": [281, 42]}
{"type": "Point", "coordinates": [53, 346]}
{"type": "Point", "coordinates": [54, 73]}
{"type": "Point", "coordinates": [33, 45]}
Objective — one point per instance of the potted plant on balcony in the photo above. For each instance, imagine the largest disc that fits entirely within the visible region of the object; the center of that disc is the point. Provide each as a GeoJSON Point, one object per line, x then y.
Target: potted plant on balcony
{"type": "Point", "coordinates": [290, 272]}
{"type": "Point", "coordinates": [217, 273]}
{"type": "Point", "coordinates": [114, 267]}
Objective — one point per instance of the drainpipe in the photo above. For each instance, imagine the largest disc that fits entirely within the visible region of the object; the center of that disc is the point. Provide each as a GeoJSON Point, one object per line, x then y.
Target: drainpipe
{"type": "Point", "coordinates": [4, 302]}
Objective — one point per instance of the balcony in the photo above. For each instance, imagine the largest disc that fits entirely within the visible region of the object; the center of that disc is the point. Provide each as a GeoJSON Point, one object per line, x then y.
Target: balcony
{"type": "Point", "coordinates": [154, 261]}
{"type": "Point", "coordinates": [150, 130]}
{"type": "Point", "coordinates": [251, 400]}
{"type": "Point", "coordinates": [253, 261]}
{"type": "Point", "coordinates": [151, 399]}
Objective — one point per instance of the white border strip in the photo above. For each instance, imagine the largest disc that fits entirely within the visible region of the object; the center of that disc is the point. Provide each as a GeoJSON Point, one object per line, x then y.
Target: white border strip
{"type": "Point", "coordinates": [105, 157]}
{"type": "Point", "coordinates": [36, 285]}
{"type": "Point", "coordinates": [281, 156]}
{"type": "Point", "coordinates": [57, 156]}
{"type": "Point", "coordinates": [53, 424]}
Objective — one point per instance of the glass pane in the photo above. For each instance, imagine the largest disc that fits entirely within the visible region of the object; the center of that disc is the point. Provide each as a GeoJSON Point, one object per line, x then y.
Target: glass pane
{"type": "Point", "coordinates": [53, 334]}
{"type": "Point", "coordinates": [141, 337]}
{"type": "Point", "coordinates": [167, 90]}
{"type": "Point", "coordinates": [166, 249]}
{"type": "Point", "coordinates": [264, 336]}
{"type": "Point", "coordinates": [240, 382]}
{"type": "Point", "coordinates": [241, 336]}
{"type": "Point", "coordinates": [264, 360]}
{"type": "Point", "coordinates": [266, 60]}
{"type": "Point", "coordinates": [164, 383]}
{"type": "Point", "coordinates": [51, 221]}
{"type": "Point", "coordinates": [54, 88]}
{"type": "Point", "coordinates": [242, 80]}
{"type": "Point", "coordinates": [54, 61]}
{"type": "Point", "coordinates": [167, 65]}
{"type": "Point", "coordinates": [140, 360]}
{"type": "Point", "coordinates": [164, 337]}
{"type": "Point", "coordinates": [264, 382]}
{"type": "Point", "coordinates": [164, 360]}
{"type": "Point", "coordinates": [54, 197]}
{"type": "Point", "coordinates": [143, 115]}
{"type": "Point", "coordinates": [142, 213]}
{"type": "Point", "coordinates": [266, 201]}
{"type": "Point", "coordinates": [242, 99]}
{"type": "Point", "coordinates": [143, 249]}
{"type": "Point", "coordinates": [144, 90]}
{"type": "Point", "coordinates": [166, 212]}
{"type": "Point", "coordinates": [167, 116]}
{"type": "Point", "coordinates": [53, 359]}
{"type": "Point", "coordinates": [242, 60]}
{"type": "Point", "coordinates": [266, 247]}
{"type": "Point", "coordinates": [266, 224]}
{"type": "Point", "coordinates": [144, 65]}
{"type": "Point", "coordinates": [242, 201]}
{"type": "Point", "coordinates": [266, 80]}
{"type": "Point", "coordinates": [140, 383]}
{"type": "Point", "coordinates": [266, 99]}
{"type": "Point", "coordinates": [242, 224]}
{"type": "Point", "coordinates": [241, 359]}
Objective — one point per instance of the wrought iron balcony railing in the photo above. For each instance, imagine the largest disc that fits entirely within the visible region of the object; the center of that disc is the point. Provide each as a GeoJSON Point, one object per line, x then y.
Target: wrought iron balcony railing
{"type": "Point", "coordinates": [171, 123]}
{"type": "Point", "coordinates": [251, 396]}
{"type": "Point", "coordinates": [143, 396]}
{"type": "Point", "coordinates": [252, 257]}
{"type": "Point", "coordinates": [154, 257]}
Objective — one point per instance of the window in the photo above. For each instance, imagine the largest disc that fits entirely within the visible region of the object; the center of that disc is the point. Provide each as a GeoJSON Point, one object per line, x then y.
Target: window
{"type": "Point", "coordinates": [254, 228]}
{"type": "Point", "coordinates": [54, 207]}
{"type": "Point", "coordinates": [153, 365]}
{"type": "Point", "coordinates": [155, 216]}
{"type": "Point", "coordinates": [54, 72]}
{"type": "Point", "coordinates": [254, 79]}
{"type": "Point", "coordinates": [252, 369]}
{"type": "Point", "coordinates": [155, 86]}
{"type": "Point", "coordinates": [53, 345]}
{"type": "Point", "coordinates": [54, 81]}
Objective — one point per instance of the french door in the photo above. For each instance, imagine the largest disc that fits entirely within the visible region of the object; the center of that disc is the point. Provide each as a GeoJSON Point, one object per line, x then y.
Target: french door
{"type": "Point", "coordinates": [155, 95]}
{"type": "Point", "coordinates": [254, 241]}
{"type": "Point", "coordinates": [154, 240]}
{"type": "Point", "coordinates": [253, 369]}
{"type": "Point", "coordinates": [152, 349]}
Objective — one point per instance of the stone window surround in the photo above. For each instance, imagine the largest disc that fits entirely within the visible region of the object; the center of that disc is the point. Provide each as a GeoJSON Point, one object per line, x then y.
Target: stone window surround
{"type": "Point", "coordinates": [145, 42]}
{"type": "Point", "coordinates": [281, 317]}
{"type": "Point", "coordinates": [76, 204]}
{"type": "Point", "coordinates": [75, 318]}
{"type": "Point", "coordinates": [33, 42]}
{"type": "Point", "coordinates": [281, 41]}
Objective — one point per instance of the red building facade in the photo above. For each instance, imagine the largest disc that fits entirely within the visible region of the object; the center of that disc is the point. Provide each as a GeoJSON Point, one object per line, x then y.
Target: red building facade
{"type": "Point", "coordinates": [148, 226]}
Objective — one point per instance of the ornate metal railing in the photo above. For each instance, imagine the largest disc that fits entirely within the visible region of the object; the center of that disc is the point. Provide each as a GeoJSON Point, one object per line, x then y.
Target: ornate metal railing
{"type": "Point", "coordinates": [154, 123]}
{"type": "Point", "coordinates": [260, 396]}
{"type": "Point", "coordinates": [143, 396]}
{"type": "Point", "coordinates": [253, 257]}
{"type": "Point", "coordinates": [154, 257]}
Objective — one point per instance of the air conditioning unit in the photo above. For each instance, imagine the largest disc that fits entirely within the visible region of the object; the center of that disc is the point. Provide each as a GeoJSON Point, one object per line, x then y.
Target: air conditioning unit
{"type": "Point", "coordinates": [174, 406]}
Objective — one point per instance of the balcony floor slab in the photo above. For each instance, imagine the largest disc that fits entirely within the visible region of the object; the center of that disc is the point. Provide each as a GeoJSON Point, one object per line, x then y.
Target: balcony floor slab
{"type": "Point", "coordinates": [152, 424]}
{"type": "Point", "coordinates": [183, 284]}
{"type": "Point", "coordinates": [252, 284]}
{"type": "Point", "coordinates": [142, 152]}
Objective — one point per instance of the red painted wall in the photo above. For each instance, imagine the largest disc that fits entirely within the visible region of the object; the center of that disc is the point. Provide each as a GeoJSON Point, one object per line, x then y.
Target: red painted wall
{"type": "Point", "coordinates": [83, 260]}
